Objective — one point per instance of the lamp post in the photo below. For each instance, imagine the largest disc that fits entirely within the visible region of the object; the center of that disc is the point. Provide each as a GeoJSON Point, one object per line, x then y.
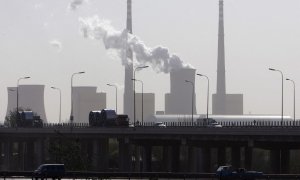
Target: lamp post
{"type": "Point", "coordinates": [59, 103]}
{"type": "Point", "coordinates": [139, 67]}
{"type": "Point", "coordinates": [207, 103]}
{"type": "Point", "coordinates": [272, 69]}
{"type": "Point", "coordinates": [294, 97]}
{"type": "Point", "coordinates": [71, 116]}
{"type": "Point", "coordinates": [116, 95]}
{"type": "Point", "coordinates": [142, 98]}
{"type": "Point", "coordinates": [193, 91]}
{"type": "Point", "coordinates": [27, 77]}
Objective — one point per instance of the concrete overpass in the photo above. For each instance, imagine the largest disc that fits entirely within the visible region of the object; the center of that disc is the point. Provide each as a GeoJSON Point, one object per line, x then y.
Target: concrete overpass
{"type": "Point", "coordinates": [172, 149]}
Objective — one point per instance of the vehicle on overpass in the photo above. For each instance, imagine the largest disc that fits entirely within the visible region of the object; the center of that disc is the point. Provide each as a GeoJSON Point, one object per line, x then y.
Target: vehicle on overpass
{"type": "Point", "coordinates": [160, 124]}
{"type": "Point", "coordinates": [108, 118]}
{"type": "Point", "coordinates": [28, 119]}
{"type": "Point", "coordinates": [208, 122]}
{"type": "Point", "coordinates": [228, 173]}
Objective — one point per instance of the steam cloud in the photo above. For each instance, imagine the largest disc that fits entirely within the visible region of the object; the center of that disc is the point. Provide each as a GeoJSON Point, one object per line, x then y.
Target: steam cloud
{"type": "Point", "coordinates": [57, 44]}
{"type": "Point", "coordinates": [74, 4]}
{"type": "Point", "coordinates": [158, 57]}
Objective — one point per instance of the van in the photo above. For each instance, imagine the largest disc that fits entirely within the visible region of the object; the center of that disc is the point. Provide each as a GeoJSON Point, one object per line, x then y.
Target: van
{"type": "Point", "coordinates": [50, 171]}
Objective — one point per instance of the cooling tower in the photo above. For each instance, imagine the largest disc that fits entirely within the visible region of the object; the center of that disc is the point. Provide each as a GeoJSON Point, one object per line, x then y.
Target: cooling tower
{"type": "Point", "coordinates": [86, 99]}
{"type": "Point", "coordinates": [30, 97]}
{"type": "Point", "coordinates": [179, 100]}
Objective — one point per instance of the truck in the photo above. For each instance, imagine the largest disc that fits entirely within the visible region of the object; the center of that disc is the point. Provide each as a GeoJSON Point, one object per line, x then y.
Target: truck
{"type": "Point", "coordinates": [28, 119]}
{"type": "Point", "coordinates": [108, 118]}
{"type": "Point", "coordinates": [228, 172]}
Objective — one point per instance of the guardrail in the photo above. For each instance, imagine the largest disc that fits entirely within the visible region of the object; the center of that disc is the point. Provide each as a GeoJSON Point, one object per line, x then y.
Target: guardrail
{"type": "Point", "coordinates": [224, 124]}
{"type": "Point", "coordinates": [130, 175]}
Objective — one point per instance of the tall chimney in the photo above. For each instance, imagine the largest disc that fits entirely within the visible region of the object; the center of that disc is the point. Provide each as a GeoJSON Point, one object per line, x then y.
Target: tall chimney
{"type": "Point", "coordinates": [221, 86]}
{"type": "Point", "coordinates": [128, 90]}
{"type": "Point", "coordinates": [219, 99]}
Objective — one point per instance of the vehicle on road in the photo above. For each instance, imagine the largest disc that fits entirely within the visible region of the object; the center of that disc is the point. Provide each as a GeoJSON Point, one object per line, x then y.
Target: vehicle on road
{"type": "Point", "coordinates": [108, 118]}
{"type": "Point", "coordinates": [160, 124]}
{"type": "Point", "coordinates": [54, 171]}
{"type": "Point", "coordinates": [228, 172]}
{"type": "Point", "coordinates": [208, 122]}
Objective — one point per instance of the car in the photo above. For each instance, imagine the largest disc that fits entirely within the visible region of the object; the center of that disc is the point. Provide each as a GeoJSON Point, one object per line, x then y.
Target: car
{"type": "Point", "coordinates": [50, 171]}
{"type": "Point", "coordinates": [160, 124]}
{"type": "Point", "coordinates": [228, 172]}
{"type": "Point", "coordinates": [208, 122]}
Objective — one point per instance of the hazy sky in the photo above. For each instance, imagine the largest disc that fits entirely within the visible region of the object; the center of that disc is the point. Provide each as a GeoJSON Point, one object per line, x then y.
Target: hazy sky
{"type": "Point", "coordinates": [42, 39]}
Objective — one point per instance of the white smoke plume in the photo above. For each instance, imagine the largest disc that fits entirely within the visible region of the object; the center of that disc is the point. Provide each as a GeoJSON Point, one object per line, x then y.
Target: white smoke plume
{"type": "Point", "coordinates": [57, 44]}
{"type": "Point", "coordinates": [74, 4]}
{"type": "Point", "coordinates": [158, 57]}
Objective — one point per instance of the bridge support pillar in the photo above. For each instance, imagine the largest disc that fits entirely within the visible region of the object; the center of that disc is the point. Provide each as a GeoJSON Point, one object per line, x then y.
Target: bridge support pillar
{"type": "Point", "coordinates": [192, 159]}
{"type": "Point", "coordinates": [21, 155]}
{"type": "Point", "coordinates": [7, 155]}
{"type": "Point", "coordinates": [167, 159]}
{"type": "Point", "coordinates": [29, 155]}
{"type": "Point", "coordinates": [206, 159]}
{"type": "Point", "coordinates": [99, 155]}
{"type": "Point", "coordinates": [285, 161]}
{"type": "Point", "coordinates": [221, 156]}
{"type": "Point", "coordinates": [147, 158]}
{"type": "Point", "coordinates": [175, 158]}
{"type": "Point", "coordinates": [39, 151]}
{"type": "Point", "coordinates": [124, 155]}
{"type": "Point", "coordinates": [236, 156]}
{"type": "Point", "coordinates": [248, 157]}
{"type": "Point", "coordinates": [275, 161]}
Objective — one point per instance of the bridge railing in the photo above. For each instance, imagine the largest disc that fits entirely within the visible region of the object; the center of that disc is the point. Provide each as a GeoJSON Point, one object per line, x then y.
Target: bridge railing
{"type": "Point", "coordinates": [224, 124]}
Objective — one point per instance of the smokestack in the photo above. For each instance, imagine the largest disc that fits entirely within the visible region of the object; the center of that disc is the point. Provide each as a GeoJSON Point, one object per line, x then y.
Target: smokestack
{"type": "Point", "coordinates": [221, 86]}
{"type": "Point", "coordinates": [219, 99]}
{"type": "Point", "coordinates": [128, 84]}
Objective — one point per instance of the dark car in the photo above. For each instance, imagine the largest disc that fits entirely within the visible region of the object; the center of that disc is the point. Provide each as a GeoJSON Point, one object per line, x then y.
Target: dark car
{"type": "Point", "coordinates": [50, 171]}
{"type": "Point", "coordinates": [228, 172]}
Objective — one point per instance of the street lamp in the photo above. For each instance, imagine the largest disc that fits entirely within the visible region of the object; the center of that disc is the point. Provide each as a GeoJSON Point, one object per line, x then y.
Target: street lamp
{"type": "Point", "coordinates": [193, 91]}
{"type": "Point", "coordinates": [27, 77]}
{"type": "Point", "coordinates": [116, 95]}
{"type": "Point", "coordinates": [207, 103]}
{"type": "Point", "coordinates": [294, 97]}
{"type": "Point", "coordinates": [71, 116]}
{"type": "Point", "coordinates": [59, 102]}
{"type": "Point", "coordinates": [142, 98]}
{"type": "Point", "coordinates": [272, 69]}
{"type": "Point", "coordinates": [139, 67]}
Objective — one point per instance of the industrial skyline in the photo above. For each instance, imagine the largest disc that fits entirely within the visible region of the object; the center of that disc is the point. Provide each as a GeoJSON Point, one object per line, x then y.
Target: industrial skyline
{"type": "Point", "coordinates": [42, 40]}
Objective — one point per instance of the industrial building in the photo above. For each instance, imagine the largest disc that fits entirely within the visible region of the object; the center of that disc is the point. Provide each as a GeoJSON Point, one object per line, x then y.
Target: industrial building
{"type": "Point", "coordinates": [148, 105]}
{"type": "Point", "coordinates": [30, 97]}
{"type": "Point", "coordinates": [86, 99]}
{"type": "Point", "coordinates": [181, 99]}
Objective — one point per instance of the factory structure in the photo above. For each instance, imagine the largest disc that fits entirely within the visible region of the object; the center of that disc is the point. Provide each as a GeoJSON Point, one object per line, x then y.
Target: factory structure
{"type": "Point", "coordinates": [30, 97]}
{"type": "Point", "coordinates": [181, 100]}
{"type": "Point", "coordinates": [86, 99]}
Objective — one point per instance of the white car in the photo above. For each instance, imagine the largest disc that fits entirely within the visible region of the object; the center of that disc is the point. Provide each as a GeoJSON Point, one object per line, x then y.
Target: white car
{"type": "Point", "coordinates": [160, 124]}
